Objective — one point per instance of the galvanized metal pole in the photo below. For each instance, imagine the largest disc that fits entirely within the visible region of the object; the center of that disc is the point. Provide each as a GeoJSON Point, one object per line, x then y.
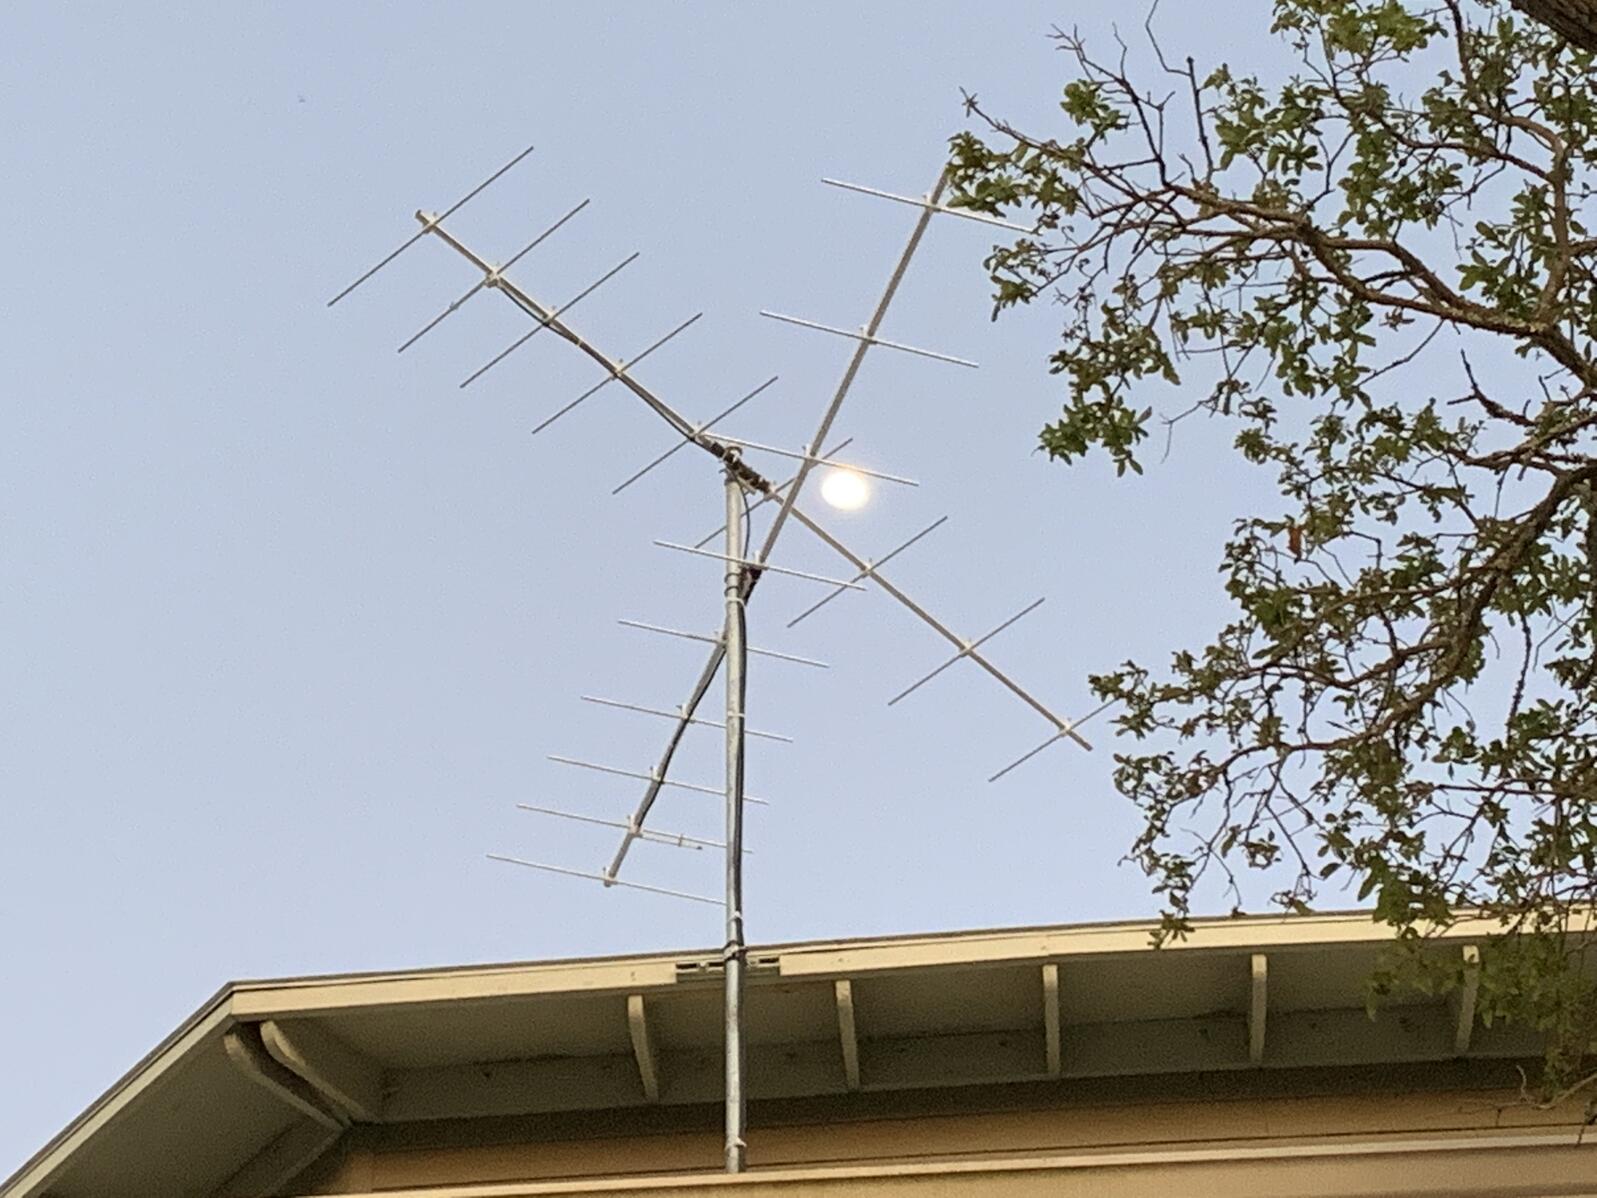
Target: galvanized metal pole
{"type": "Point", "coordinates": [733, 954]}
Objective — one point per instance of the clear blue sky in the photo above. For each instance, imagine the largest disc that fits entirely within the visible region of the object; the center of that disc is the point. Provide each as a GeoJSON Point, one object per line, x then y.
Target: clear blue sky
{"type": "Point", "coordinates": [288, 623]}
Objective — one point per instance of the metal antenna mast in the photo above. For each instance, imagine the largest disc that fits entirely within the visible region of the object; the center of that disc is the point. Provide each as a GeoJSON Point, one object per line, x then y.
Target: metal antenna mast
{"type": "Point", "coordinates": [743, 567]}
{"type": "Point", "coordinates": [735, 951]}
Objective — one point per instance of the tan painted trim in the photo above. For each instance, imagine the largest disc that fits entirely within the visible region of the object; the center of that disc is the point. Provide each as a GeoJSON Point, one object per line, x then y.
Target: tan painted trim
{"type": "Point", "coordinates": [1464, 1001]}
{"type": "Point", "coordinates": [1053, 1049]}
{"type": "Point", "coordinates": [284, 1159]}
{"type": "Point", "coordinates": [347, 1079]}
{"type": "Point", "coordinates": [1042, 1162]}
{"type": "Point", "coordinates": [1258, 1005]}
{"type": "Point", "coordinates": [255, 1063]}
{"type": "Point", "coordinates": [847, 1032]}
{"type": "Point", "coordinates": [303, 998]}
{"type": "Point", "coordinates": [643, 1046]}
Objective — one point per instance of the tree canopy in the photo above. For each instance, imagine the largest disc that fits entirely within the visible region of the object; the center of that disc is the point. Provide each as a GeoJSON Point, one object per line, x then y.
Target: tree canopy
{"type": "Point", "coordinates": [1379, 269]}
{"type": "Point", "coordinates": [1573, 19]}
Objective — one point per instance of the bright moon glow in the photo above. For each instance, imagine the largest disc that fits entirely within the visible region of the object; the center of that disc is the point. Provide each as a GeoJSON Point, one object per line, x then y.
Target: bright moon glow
{"type": "Point", "coordinates": [845, 489]}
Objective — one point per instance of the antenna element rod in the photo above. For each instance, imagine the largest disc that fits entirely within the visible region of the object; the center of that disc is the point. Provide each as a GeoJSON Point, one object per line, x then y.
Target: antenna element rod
{"type": "Point", "coordinates": [716, 640]}
{"type": "Point", "coordinates": [608, 881]}
{"type": "Point", "coordinates": [812, 460]}
{"type": "Point", "coordinates": [545, 321]}
{"type": "Point", "coordinates": [869, 571]}
{"type": "Point", "coordinates": [677, 715]}
{"type": "Point", "coordinates": [429, 225]}
{"type": "Point", "coordinates": [964, 212]}
{"type": "Point", "coordinates": [652, 777]}
{"type": "Point", "coordinates": [966, 650]}
{"type": "Point", "coordinates": [690, 438]}
{"type": "Point", "coordinates": [679, 840]}
{"type": "Point", "coordinates": [870, 339]}
{"type": "Point", "coordinates": [764, 567]}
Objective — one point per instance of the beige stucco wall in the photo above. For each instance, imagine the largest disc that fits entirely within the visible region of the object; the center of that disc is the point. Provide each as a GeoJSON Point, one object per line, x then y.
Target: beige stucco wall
{"type": "Point", "coordinates": [1474, 1141]}
{"type": "Point", "coordinates": [1501, 1168]}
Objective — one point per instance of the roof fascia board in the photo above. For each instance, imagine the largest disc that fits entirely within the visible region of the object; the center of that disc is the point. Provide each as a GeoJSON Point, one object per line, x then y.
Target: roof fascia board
{"type": "Point", "coordinates": [1000, 948]}
{"type": "Point", "coordinates": [267, 1001]}
{"type": "Point", "coordinates": [121, 1098]}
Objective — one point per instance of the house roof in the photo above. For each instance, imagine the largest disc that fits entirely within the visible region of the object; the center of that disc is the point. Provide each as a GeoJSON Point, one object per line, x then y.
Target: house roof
{"type": "Point", "coordinates": [267, 1073]}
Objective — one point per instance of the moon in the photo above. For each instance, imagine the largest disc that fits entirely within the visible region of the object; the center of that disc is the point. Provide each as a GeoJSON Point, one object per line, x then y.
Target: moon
{"type": "Point", "coordinates": [845, 490]}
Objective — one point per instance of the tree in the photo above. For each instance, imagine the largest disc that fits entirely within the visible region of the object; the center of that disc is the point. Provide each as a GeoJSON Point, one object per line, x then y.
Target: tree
{"type": "Point", "coordinates": [1573, 19]}
{"type": "Point", "coordinates": [1380, 271]}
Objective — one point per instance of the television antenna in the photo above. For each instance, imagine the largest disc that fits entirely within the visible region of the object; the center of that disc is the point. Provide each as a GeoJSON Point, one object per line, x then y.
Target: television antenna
{"type": "Point", "coordinates": [744, 566]}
